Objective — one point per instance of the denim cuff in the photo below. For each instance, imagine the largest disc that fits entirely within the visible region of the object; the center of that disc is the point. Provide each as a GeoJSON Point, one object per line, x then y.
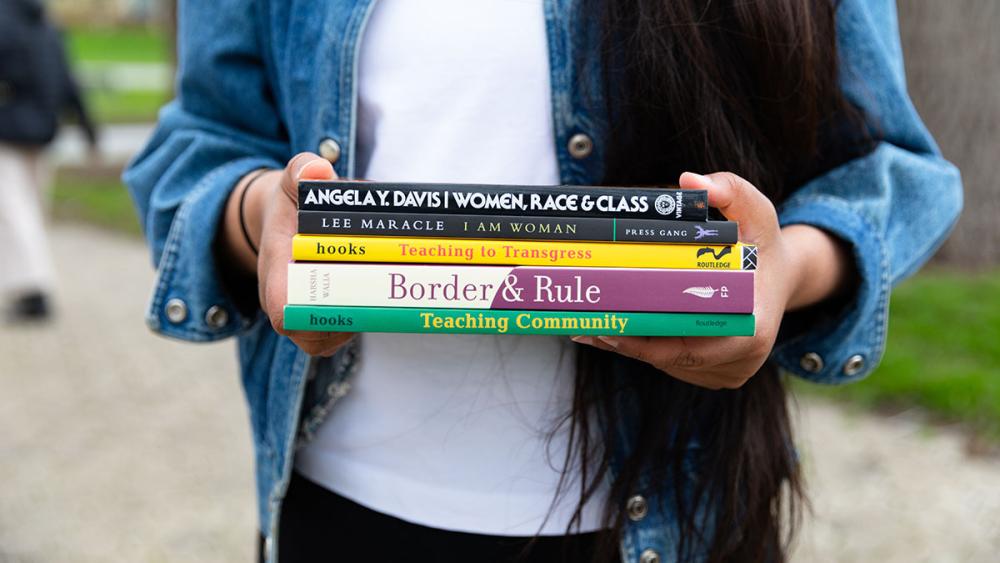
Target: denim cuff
{"type": "Point", "coordinates": [189, 301]}
{"type": "Point", "coordinates": [847, 344]}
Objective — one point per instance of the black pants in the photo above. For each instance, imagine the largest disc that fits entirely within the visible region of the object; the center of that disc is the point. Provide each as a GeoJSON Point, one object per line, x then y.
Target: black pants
{"type": "Point", "coordinates": [318, 525]}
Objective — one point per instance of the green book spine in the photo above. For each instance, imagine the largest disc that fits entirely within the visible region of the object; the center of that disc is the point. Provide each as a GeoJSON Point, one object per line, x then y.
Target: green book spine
{"type": "Point", "coordinates": [479, 321]}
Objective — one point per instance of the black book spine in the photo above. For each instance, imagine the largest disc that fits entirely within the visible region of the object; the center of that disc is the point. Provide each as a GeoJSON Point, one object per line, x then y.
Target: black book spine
{"type": "Point", "coordinates": [671, 204]}
{"type": "Point", "coordinates": [515, 227]}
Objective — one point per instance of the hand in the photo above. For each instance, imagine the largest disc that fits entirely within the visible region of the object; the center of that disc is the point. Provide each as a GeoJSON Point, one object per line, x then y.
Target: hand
{"type": "Point", "coordinates": [277, 203]}
{"type": "Point", "coordinates": [785, 277]}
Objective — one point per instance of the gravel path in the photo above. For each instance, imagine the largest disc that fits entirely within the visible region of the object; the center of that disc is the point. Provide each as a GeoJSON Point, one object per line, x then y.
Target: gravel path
{"type": "Point", "coordinates": [119, 143]}
{"type": "Point", "coordinates": [117, 445]}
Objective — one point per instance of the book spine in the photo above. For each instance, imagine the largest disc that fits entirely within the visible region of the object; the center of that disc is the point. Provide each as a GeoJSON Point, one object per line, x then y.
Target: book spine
{"type": "Point", "coordinates": [473, 321]}
{"type": "Point", "coordinates": [313, 248]}
{"type": "Point", "coordinates": [483, 199]}
{"type": "Point", "coordinates": [501, 287]}
{"type": "Point", "coordinates": [515, 227]}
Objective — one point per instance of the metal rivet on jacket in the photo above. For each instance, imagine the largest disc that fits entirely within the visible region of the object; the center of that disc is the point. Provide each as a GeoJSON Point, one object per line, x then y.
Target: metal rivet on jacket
{"type": "Point", "coordinates": [580, 146]}
{"type": "Point", "coordinates": [177, 311]}
{"type": "Point", "coordinates": [330, 150]}
{"type": "Point", "coordinates": [649, 556]}
{"type": "Point", "coordinates": [812, 362]}
{"type": "Point", "coordinates": [216, 317]}
{"type": "Point", "coordinates": [636, 508]}
{"type": "Point", "coordinates": [854, 365]}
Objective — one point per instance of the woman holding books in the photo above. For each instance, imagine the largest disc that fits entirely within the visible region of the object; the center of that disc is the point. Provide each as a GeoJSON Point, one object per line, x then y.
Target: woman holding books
{"type": "Point", "coordinates": [453, 447]}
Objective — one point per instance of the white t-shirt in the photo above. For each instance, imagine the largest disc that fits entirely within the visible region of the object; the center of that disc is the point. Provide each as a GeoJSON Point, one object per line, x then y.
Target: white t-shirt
{"type": "Point", "coordinates": [452, 431]}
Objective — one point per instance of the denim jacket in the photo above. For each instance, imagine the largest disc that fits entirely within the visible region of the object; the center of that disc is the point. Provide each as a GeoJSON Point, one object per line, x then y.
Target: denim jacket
{"type": "Point", "coordinates": [260, 80]}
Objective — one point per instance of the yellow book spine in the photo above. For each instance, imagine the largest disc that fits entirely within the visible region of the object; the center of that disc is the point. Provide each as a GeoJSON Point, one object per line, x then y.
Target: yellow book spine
{"type": "Point", "coordinates": [523, 252]}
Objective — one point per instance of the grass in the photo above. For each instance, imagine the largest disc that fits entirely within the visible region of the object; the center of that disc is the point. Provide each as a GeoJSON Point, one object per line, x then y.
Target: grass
{"type": "Point", "coordinates": [115, 44]}
{"type": "Point", "coordinates": [100, 201]}
{"type": "Point", "coordinates": [125, 106]}
{"type": "Point", "coordinates": [943, 352]}
{"type": "Point", "coordinates": [109, 46]}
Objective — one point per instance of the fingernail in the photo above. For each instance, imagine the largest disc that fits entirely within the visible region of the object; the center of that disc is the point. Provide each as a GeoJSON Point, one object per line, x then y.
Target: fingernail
{"type": "Point", "coordinates": [613, 342]}
{"type": "Point", "coordinates": [583, 340]}
{"type": "Point", "coordinates": [701, 179]}
{"type": "Point", "coordinates": [307, 172]}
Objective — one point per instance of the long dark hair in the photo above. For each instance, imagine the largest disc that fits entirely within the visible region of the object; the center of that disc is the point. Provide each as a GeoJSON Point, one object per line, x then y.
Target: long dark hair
{"type": "Point", "coordinates": [744, 86]}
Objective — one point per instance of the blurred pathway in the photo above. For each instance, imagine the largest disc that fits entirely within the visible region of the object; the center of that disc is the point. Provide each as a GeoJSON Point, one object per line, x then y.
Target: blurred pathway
{"type": "Point", "coordinates": [117, 445]}
{"type": "Point", "coordinates": [120, 446]}
{"type": "Point", "coordinates": [105, 75]}
{"type": "Point", "coordinates": [118, 142]}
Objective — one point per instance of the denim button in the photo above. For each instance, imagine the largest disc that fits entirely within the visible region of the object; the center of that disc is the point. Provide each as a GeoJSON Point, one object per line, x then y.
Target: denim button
{"type": "Point", "coordinates": [580, 146]}
{"type": "Point", "coordinates": [636, 508]}
{"type": "Point", "coordinates": [812, 362]}
{"type": "Point", "coordinates": [330, 150]}
{"type": "Point", "coordinates": [177, 311]}
{"type": "Point", "coordinates": [216, 317]}
{"type": "Point", "coordinates": [649, 556]}
{"type": "Point", "coordinates": [854, 365]}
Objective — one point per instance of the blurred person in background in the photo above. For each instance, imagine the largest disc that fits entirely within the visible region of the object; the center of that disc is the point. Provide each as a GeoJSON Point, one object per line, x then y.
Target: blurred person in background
{"type": "Point", "coordinates": [36, 87]}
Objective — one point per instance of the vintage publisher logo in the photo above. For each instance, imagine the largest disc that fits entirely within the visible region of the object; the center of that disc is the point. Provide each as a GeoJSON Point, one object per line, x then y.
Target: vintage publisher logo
{"type": "Point", "coordinates": [665, 204]}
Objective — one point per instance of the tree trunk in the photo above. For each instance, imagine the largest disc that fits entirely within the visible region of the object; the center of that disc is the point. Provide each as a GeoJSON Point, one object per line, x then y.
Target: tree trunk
{"type": "Point", "coordinates": [952, 53]}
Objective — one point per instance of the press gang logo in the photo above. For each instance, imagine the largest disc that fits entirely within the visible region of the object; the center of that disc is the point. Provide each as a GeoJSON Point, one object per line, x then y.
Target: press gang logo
{"type": "Point", "coordinates": [705, 233]}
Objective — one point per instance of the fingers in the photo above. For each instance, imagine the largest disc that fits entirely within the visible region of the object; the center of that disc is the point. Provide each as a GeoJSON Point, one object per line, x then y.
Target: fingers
{"type": "Point", "coordinates": [274, 297]}
{"type": "Point", "coordinates": [658, 352]}
{"type": "Point", "coordinates": [739, 201]}
{"type": "Point", "coordinates": [313, 343]}
{"type": "Point", "coordinates": [327, 346]}
{"type": "Point", "coordinates": [276, 252]}
{"type": "Point", "coordinates": [305, 166]}
{"type": "Point", "coordinates": [592, 341]}
{"type": "Point", "coordinates": [714, 363]}
{"type": "Point", "coordinates": [673, 356]}
{"type": "Point", "coordinates": [720, 362]}
{"type": "Point", "coordinates": [653, 351]}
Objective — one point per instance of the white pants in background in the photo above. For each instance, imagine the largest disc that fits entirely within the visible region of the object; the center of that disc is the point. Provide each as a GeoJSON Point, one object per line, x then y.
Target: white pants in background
{"type": "Point", "coordinates": [25, 259]}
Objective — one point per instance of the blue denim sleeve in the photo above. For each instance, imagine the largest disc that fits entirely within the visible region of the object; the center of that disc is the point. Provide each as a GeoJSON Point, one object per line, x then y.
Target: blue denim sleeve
{"type": "Point", "coordinates": [222, 125]}
{"type": "Point", "coordinates": [894, 206]}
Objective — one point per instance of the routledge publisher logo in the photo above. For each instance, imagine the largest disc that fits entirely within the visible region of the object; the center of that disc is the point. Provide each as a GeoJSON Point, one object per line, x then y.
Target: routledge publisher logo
{"type": "Point", "coordinates": [717, 255]}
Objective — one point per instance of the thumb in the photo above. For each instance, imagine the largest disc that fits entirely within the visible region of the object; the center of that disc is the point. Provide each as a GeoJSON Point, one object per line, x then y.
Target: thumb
{"type": "Point", "coordinates": [305, 166]}
{"type": "Point", "coordinates": [739, 201]}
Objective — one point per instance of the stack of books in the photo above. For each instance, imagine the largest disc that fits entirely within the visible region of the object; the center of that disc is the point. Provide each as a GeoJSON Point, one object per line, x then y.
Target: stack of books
{"type": "Point", "coordinates": [485, 259]}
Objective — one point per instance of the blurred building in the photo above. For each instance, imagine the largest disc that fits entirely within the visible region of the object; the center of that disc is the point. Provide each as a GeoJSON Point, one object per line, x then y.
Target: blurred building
{"type": "Point", "coordinates": [952, 52]}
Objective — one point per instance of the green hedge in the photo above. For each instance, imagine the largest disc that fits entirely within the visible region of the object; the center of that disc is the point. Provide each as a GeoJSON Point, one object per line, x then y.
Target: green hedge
{"type": "Point", "coordinates": [943, 351]}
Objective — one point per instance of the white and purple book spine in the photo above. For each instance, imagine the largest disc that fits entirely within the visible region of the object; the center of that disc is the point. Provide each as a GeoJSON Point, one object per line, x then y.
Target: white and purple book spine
{"type": "Point", "coordinates": [521, 287]}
